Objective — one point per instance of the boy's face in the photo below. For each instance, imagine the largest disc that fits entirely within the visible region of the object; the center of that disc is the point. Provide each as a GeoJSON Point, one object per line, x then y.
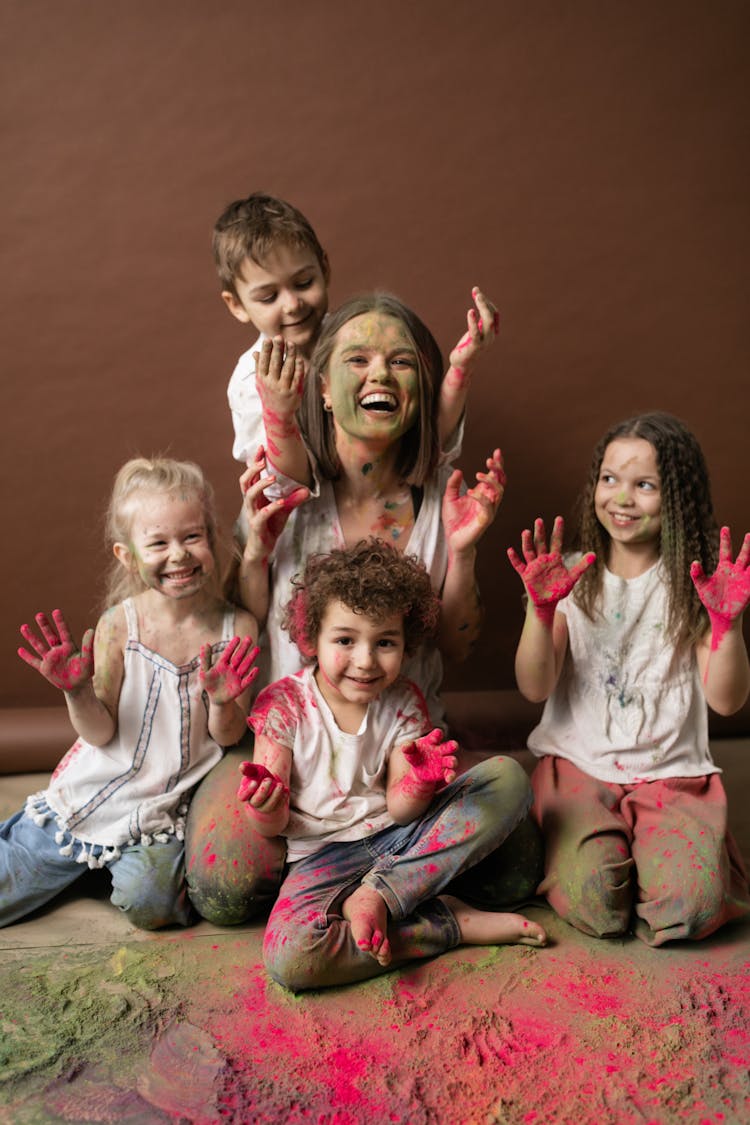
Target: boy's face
{"type": "Point", "coordinates": [358, 657]}
{"type": "Point", "coordinates": [286, 296]}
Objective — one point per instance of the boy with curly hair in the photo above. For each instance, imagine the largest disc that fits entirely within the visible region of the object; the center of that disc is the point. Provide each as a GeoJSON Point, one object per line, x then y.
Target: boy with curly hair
{"type": "Point", "coordinates": [348, 768]}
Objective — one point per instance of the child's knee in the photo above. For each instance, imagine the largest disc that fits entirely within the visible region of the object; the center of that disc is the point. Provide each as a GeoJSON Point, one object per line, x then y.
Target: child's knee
{"type": "Point", "coordinates": [230, 890]}
{"type": "Point", "coordinates": [290, 959]}
{"type": "Point", "coordinates": [507, 783]}
{"type": "Point", "coordinates": [683, 913]}
{"type": "Point", "coordinates": [596, 898]}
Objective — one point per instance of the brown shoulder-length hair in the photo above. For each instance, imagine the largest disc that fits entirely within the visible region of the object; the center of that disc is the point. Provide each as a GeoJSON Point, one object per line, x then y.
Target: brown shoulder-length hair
{"type": "Point", "coordinates": [688, 525]}
{"type": "Point", "coordinates": [419, 447]}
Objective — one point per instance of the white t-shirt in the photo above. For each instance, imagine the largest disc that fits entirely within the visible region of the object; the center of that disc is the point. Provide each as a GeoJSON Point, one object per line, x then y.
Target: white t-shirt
{"type": "Point", "coordinates": [338, 780]}
{"type": "Point", "coordinates": [628, 706]}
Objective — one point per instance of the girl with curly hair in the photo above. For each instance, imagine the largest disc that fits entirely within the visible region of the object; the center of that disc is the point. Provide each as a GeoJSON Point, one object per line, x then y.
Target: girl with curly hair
{"type": "Point", "coordinates": [628, 641]}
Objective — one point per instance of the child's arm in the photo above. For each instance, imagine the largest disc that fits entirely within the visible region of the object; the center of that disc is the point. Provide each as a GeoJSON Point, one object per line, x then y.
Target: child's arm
{"type": "Point", "coordinates": [483, 327]}
{"type": "Point", "coordinates": [722, 654]}
{"type": "Point", "coordinates": [416, 771]}
{"type": "Point", "coordinates": [266, 519]}
{"type": "Point", "coordinates": [279, 378]}
{"type": "Point", "coordinates": [465, 519]}
{"type": "Point", "coordinates": [90, 696]}
{"type": "Point", "coordinates": [226, 684]}
{"type": "Point", "coordinates": [544, 638]}
{"type": "Point", "coordinates": [265, 786]}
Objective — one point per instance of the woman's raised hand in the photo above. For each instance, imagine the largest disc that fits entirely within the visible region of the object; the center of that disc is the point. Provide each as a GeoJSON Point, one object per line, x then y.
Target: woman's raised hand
{"type": "Point", "coordinates": [232, 673]}
{"type": "Point", "coordinates": [466, 517]}
{"type": "Point", "coordinates": [483, 325]}
{"type": "Point", "coordinates": [543, 572]}
{"type": "Point", "coordinates": [56, 655]}
{"type": "Point", "coordinates": [726, 592]}
{"type": "Point", "coordinates": [266, 519]}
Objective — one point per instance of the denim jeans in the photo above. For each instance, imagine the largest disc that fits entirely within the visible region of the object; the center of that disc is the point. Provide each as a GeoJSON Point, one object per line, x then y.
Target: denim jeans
{"type": "Point", "coordinates": [308, 943]}
{"type": "Point", "coordinates": [148, 881]}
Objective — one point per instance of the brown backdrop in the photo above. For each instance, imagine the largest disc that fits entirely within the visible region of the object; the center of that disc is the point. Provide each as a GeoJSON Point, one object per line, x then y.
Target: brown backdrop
{"type": "Point", "coordinates": [586, 163]}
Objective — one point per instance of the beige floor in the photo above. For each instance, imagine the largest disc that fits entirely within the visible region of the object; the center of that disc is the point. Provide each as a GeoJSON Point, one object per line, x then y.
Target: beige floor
{"type": "Point", "coordinates": [102, 1022]}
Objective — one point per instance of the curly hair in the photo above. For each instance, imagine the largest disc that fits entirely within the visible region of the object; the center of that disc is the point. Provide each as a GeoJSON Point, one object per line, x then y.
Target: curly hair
{"type": "Point", "coordinates": [250, 228]}
{"type": "Point", "coordinates": [419, 447]}
{"type": "Point", "coordinates": [688, 526]}
{"type": "Point", "coordinates": [146, 476]}
{"type": "Point", "coordinates": [371, 578]}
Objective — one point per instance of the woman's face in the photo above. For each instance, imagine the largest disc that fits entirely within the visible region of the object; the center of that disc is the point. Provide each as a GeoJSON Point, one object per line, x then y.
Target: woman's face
{"type": "Point", "coordinates": [371, 382]}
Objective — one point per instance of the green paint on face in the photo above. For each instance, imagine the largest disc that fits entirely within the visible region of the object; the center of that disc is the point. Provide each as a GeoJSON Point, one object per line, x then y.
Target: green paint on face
{"type": "Point", "coordinates": [367, 468]}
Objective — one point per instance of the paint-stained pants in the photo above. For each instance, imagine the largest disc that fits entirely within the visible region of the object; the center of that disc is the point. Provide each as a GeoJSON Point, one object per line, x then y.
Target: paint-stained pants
{"type": "Point", "coordinates": [655, 856]}
{"type": "Point", "coordinates": [234, 873]}
{"type": "Point", "coordinates": [309, 944]}
{"type": "Point", "coordinates": [148, 881]}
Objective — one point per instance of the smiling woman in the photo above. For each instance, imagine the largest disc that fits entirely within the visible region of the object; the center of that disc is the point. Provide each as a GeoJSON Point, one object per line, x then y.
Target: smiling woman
{"type": "Point", "coordinates": [372, 399]}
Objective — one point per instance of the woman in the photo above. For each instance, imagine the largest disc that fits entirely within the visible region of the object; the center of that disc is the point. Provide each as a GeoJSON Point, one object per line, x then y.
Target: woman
{"type": "Point", "coordinates": [369, 416]}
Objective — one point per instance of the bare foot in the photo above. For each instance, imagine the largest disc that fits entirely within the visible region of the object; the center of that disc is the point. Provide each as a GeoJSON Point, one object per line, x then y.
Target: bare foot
{"type": "Point", "coordinates": [485, 927]}
{"type": "Point", "coordinates": [366, 912]}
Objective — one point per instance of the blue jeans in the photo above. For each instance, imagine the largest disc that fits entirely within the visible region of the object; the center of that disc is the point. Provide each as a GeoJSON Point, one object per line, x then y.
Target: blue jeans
{"type": "Point", "coordinates": [308, 943]}
{"type": "Point", "coordinates": [148, 881]}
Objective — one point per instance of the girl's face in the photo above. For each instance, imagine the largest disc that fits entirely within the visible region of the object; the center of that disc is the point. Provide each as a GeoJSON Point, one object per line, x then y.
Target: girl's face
{"type": "Point", "coordinates": [358, 657]}
{"type": "Point", "coordinates": [627, 499]}
{"type": "Point", "coordinates": [169, 544]}
{"type": "Point", "coordinates": [372, 379]}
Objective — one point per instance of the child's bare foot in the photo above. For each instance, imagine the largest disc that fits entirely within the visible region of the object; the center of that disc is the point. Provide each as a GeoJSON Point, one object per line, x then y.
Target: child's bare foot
{"type": "Point", "coordinates": [485, 927]}
{"type": "Point", "coordinates": [366, 912]}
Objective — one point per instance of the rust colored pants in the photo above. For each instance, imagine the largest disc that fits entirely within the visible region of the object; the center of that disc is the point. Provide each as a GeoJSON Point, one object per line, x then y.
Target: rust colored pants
{"type": "Point", "coordinates": [655, 856]}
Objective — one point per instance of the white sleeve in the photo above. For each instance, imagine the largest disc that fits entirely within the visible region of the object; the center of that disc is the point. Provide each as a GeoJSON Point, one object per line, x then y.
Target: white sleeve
{"type": "Point", "coordinates": [245, 405]}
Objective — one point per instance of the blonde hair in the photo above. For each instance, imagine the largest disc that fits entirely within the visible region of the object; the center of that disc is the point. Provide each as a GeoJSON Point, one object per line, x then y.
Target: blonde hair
{"type": "Point", "coordinates": [157, 475]}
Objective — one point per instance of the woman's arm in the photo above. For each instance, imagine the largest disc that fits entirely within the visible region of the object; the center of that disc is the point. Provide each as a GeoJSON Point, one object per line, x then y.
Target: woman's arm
{"type": "Point", "coordinates": [482, 328]}
{"type": "Point", "coordinates": [266, 519]}
{"type": "Point", "coordinates": [466, 517]}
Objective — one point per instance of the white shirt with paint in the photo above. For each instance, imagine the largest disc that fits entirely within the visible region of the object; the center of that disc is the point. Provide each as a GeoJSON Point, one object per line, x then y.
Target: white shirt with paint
{"type": "Point", "coordinates": [628, 706]}
{"type": "Point", "coordinates": [337, 789]}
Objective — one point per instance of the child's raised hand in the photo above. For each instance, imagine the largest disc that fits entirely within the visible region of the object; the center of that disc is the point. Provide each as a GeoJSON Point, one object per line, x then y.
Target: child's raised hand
{"type": "Point", "coordinates": [261, 788]}
{"type": "Point", "coordinates": [266, 518]}
{"type": "Point", "coordinates": [232, 673]}
{"type": "Point", "coordinates": [726, 592]}
{"type": "Point", "coordinates": [432, 761]}
{"type": "Point", "coordinates": [57, 656]}
{"type": "Point", "coordinates": [279, 377]}
{"type": "Point", "coordinates": [544, 574]}
{"type": "Point", "coordinates": [483, 326]}
{"type": "Point", "coordinates": [466, 517]}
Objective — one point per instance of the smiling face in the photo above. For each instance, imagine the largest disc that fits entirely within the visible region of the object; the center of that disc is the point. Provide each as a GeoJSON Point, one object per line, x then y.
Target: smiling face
{"type": "Point", "coordinates": [371, 382]}
{"type": "Point", "coordinates": [627, 500]}
{"type": "Point", "coordinates": [285, 296]}
{"type": "Point", "coordinates": [358, 657]}
{"type": "Point", "coordinates": [169, 544]}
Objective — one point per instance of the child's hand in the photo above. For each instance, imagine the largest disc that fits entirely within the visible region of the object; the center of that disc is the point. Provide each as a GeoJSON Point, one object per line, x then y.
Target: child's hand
{"type": "Point", "coordinates": [232, 672]}
{"type": "Point", "coordinates": [432, 761]}
{"type": "Point", "coordinates": [279, 377]}
{"type": "Point", "coordinates": [261, 788]}
{"type": "Point", "coordinates": [57, 656]}
{"type": "Point", "coordinates": [726, 593]}
{"type": "Point", "coordinates": [483, 327]}
{"type": "Point", "coordinates": [466, 517]}
{"type": "Point", "coordinates": [544, 574]}
{"type": "Point", "coordinates": [266, 518]}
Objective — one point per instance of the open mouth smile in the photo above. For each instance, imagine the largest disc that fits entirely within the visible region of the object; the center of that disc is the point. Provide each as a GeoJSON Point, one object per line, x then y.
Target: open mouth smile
{"type": "Point", "coordinates": [379, 402]}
